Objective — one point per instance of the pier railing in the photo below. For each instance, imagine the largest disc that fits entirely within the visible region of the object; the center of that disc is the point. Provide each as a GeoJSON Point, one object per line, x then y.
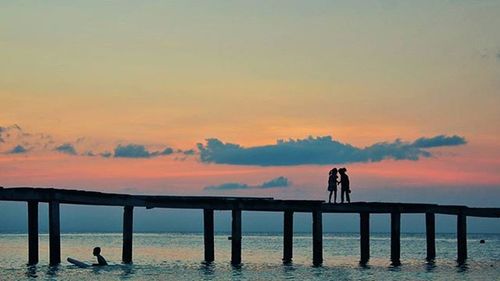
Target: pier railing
{"type": "Point", "coordinates": [55, 197]}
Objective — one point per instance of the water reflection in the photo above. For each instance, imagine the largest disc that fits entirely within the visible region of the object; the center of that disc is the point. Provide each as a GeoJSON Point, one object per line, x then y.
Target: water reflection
{"type": "Point", "coordinates": [289, 271]}
{"type": "Point", "coordinates": [207, 268]}
{"type": "Point", "coordinates": [462, 267]}
{"type": "Point", "coordinates": [127, 270]}
{"type": "Point", "coordinates": [53, 270]}
{"type": "Point", "coordinates": [430, 265]}
{"type": "Point", "coordinates": [364, 265]}
{"type": "Point", "coordinates": [31, 271]}
{"type": "Point", "coordinates": [236, 270]}
{"type": "Point", "coordinates": [180, 260]}
{"type": "Point", "coordinates": [395, 268]}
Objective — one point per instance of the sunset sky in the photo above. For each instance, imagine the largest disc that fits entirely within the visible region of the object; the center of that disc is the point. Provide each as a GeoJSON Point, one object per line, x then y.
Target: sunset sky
{"type": "Point", "coordinates": [253, 98]}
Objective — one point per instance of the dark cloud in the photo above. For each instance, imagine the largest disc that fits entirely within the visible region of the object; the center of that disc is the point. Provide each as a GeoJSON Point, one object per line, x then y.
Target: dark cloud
{"type": "Point", "coordinates": [18, 149]}
{"type": "Point", "coordinates": [440, 140]}
{"type": "Point", "coordinates": [274, 183]}
{"type": "Point", "coordinates": [66, 148]}
{"type": "Point", "coordinates": [138, 151]}
{"type": "Point", "coordinates": [318, 150]}
{"type": "Point", "coordinates": [106, 154]}
{"type": "Point", "coordinates": [167, 151]}
{"type": "Point", "coordinates": [189, 152]}
{"type": "Point", "coordinates": [277, 182]}
{"type": "Point", "coordinates": [131, 151]}
{"type": "Point", "coordinates": [227, 186]}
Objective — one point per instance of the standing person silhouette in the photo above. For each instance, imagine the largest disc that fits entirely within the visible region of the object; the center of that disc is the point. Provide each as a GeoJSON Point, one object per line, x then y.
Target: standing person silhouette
{"type": "Point", "coordinates": [332, 185]}
{"type": "Point", "coordinates": [344, 186]}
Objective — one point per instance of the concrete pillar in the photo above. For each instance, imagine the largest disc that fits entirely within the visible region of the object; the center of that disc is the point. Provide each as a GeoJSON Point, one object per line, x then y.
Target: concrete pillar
{"type": "Point", "coordinates": [54, 234]}
{"type": "Point", "coordinates": [364, 227]}
{"type": "Point", "coordinates": [395, 238]}
{"type": "Point", "coordinates": [128, 229]}
{"type": "Point", "coordinates": [317, 233]}
{"type": "Point", "coordinates": [208, 234]}
{"type": "Point", "coordinates": [288, 237]}
{"type": "Point", "coordinates": [236, 237]}
{"type": "Point", "coordinates": [461, 238]}
{"type": "Point", "coordinates": [430, 230]}
{"type": "Point", "coordinates": [32, 232]}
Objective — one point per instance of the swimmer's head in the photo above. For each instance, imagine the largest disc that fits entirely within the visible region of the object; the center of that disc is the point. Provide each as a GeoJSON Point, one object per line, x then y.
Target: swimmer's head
{"type": "Point", "coordinates": [97, 251]}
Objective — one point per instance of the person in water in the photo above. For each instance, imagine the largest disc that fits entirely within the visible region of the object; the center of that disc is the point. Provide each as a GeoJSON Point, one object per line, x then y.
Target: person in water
{"type": "Point", "coordinates": [344, 186]}
{"type": "Point", "coordinates": [100, 259]}
{"type": "Point", "coordinates": [332, 185]}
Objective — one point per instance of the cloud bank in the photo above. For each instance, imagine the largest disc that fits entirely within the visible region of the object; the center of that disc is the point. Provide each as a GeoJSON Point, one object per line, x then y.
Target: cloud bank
{"type": "Point", "coordinates": [320, 151]}
{"type": "Point", "coordinates": [308, 151]}
{"type": "Point", "coordinates": [15, 140]}
{"type": "Point", "coordinates": [279, 182]}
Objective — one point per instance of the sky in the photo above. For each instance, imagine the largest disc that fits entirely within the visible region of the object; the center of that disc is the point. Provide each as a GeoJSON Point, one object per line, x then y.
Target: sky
{"type": "Point", "coordinates": [253, 98]}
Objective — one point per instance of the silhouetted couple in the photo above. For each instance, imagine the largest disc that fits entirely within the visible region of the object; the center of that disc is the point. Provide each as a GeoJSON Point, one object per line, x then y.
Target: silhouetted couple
{"type": "Point", "coordinates": [344, 185]}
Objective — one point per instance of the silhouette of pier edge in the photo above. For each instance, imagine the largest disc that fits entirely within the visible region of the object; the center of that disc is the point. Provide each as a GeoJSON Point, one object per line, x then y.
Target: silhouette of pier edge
{"type": "Point", "coordinates": [209, 204]}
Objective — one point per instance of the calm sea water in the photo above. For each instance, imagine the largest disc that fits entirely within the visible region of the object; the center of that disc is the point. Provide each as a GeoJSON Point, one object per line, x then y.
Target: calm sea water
{"type": "Point", "coordinates": [178, 256]}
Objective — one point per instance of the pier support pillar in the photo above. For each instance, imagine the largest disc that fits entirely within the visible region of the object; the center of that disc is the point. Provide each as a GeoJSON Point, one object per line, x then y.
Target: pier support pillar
{"type": "Point", "coordinates": [208, 234]}
{"type": "Point", "coordinates": [54, 234]}
{"type": "Point", "coordinates": [461, 238]}
{"type": "Point", "coordinates": [395, 238]}
{"type": "Point", "coordinates": [317, 233]}
{"type": "Point", "coordinates": [128, 228]}
{"type": "Point", "coordinates": [32, 232]}
{"type": "Point", "coordinates": [364, 228]}
{"type": "Point", "coordinates": [236, 237]}
{"type": "Point", "coordinates": [430, 231]}
{"type": "Point", "coordinates": [288, 237]}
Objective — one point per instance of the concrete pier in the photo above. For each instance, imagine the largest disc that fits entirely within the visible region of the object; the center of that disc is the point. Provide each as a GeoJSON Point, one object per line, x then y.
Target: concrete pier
{"type": "Point", "coordinates": [55, 197]}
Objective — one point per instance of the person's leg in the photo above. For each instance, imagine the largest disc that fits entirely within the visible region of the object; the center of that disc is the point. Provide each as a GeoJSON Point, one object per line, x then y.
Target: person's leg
{"type": "Point", "coordinates": [348, 196]}
{"type": "Point", "coordinates": [342, 196]}
{"type": "Point", "coordinates": [335, 196]}
{"type": "Point", "coordinates": [330, 197]}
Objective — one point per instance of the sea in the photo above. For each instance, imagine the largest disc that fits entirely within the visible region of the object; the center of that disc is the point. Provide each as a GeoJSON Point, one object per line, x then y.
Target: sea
{"type": "Point", "coordinates": [179, 256]}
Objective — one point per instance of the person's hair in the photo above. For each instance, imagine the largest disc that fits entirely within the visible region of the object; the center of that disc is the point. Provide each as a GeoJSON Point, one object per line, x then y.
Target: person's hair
{"type": "Point", "coordinates": [97, 250]}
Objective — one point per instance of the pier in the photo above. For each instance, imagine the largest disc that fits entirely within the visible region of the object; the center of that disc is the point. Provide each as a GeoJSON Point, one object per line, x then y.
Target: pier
{"type": "Point", "coordinates": [55, 197]}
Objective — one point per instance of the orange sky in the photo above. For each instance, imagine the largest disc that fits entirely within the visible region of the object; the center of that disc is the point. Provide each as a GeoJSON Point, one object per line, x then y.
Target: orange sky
{"type": "Point", "coordinates": [173, 74]}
